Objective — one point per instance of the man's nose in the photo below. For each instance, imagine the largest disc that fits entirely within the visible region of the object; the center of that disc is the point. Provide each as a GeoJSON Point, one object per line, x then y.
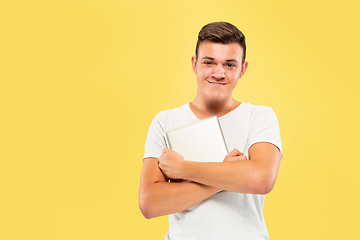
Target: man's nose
{"type": "Point", "coordinates": [218, 72]}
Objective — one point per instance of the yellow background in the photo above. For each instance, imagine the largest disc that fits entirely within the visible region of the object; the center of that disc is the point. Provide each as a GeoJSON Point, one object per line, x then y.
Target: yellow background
{"type": "Point", "coordinates": [81, 80]}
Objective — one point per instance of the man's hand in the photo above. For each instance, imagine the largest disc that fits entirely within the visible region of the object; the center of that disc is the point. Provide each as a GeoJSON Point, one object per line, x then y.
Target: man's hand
{"type": "Point", "coordinates": [235, 155]}
{"type": "Point", "coordinates": [170, 163]}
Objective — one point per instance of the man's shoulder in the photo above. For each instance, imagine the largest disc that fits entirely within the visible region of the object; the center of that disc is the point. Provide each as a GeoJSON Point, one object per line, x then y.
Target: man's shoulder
{"type": "Point", "coordinates": [175, 116]}
{"type": "Point", "coordinates": [174, 111]}
{"type": "Point", "coordinates": [256, 109]}
{"type": "Point", "coordinates": [254, 113]}
{"type": "Point", "coordinates": [258, 114]}
{"type": "Point", "coordinates": [253, 110]}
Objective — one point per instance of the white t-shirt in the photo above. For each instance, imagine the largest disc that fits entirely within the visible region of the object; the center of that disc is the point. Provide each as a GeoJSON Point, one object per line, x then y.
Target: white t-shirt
{"type": "Point", "coordinates": [225, 215]}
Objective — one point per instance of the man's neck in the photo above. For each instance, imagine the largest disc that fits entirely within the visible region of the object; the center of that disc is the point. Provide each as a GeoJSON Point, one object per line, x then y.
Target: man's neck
{"type": "Point", "coordinates": [204, 109]}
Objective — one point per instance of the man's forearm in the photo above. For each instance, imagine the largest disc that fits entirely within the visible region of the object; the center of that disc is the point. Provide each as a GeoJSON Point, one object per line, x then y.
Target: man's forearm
{"type": "Point", "coordinates": [256, 176]}
{"type": "Point", "coordinates": [163, 198]}
{"type": "Point", "coordinates": [158, 197]}
{"type": "Point", "coordinates": [237, 176]}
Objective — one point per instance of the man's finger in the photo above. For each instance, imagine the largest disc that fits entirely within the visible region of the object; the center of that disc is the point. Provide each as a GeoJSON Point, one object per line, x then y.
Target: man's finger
{"type": "Point", "coordinates": [235, 152]}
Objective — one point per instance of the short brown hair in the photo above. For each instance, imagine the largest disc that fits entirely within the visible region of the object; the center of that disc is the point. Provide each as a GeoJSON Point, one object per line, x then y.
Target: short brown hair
{"type": "Point", "coordinates": [221, 32]}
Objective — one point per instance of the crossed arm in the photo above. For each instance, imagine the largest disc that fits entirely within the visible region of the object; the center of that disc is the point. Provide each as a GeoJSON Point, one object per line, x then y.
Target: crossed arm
{"type": "Point", "coordinates": [158, 197]}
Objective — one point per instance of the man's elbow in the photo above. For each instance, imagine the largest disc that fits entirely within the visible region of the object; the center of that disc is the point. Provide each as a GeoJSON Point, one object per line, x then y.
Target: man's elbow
{"type": "Point", "coordinates": [265, 184]}
{"type": "Point", "coordinates": [146, 209]}
{"type": "Point", "coordinates": [265, 188]}
{"type": "Point", "coordinates": [146, 213]}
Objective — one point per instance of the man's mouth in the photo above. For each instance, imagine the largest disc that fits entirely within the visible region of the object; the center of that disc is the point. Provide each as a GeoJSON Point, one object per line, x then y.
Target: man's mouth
{"type": "Point", "coordinates": [217, 83]}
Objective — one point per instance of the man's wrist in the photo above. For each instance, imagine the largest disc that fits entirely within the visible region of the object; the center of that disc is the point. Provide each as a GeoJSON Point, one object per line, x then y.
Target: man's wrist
{"type": "Point", "coordinates": [186, 169]}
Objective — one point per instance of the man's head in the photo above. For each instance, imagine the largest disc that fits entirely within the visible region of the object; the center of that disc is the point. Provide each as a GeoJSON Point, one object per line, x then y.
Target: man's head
{"type": "Point", "coordinates": [221, 32]}
{"type": "Point", "coordinates": [219, 62]}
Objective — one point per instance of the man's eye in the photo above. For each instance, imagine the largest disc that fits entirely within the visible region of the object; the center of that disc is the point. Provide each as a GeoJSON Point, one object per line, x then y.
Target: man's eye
{"type": "Point", "coordinates": [230, 65]}
{"type": "Point", "coordinates": [208, 63]}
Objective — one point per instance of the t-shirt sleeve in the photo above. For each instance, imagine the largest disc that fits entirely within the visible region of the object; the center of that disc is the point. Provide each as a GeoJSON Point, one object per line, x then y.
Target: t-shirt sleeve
{"type": "Point", "coordinates": [155, 142]}
{"type": "Point", "coordinates": [264, 127]}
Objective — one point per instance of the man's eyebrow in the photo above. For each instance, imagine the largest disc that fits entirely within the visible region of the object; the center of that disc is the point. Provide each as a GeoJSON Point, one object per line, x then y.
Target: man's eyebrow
{"type": "Point", "coordinates": [210, 58]}
{"type": "Point", "coordinates": [229, 60]}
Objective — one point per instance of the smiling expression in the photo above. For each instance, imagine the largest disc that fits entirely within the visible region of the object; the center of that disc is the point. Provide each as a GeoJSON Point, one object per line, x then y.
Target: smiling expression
{"type": "Point", "coordinates": [218, 68]}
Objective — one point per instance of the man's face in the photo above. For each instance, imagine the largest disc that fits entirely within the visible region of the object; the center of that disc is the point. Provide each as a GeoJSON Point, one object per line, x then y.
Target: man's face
{"type": "Point", "coordinates": [218, 69]}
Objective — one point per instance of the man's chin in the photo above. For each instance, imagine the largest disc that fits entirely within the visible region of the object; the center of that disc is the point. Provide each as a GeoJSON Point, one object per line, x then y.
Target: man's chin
{"type": "Point", "coordinates": [216, 97]}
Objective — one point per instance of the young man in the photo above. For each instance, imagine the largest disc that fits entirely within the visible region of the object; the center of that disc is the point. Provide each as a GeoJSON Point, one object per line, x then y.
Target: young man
{"type": "Point", "coordinates": [220, 200]}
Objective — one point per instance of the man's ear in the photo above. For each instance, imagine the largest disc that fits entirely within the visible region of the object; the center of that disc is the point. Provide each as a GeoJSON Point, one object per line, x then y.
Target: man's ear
{"type": "Point", "coordinates": [243, 68]}
{"type": "Point", "coordinates": [193, 63]}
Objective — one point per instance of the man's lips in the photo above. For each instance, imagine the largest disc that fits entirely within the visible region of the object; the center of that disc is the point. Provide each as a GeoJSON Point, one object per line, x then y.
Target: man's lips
{"type": "Point", "coordinates": [217, 83]}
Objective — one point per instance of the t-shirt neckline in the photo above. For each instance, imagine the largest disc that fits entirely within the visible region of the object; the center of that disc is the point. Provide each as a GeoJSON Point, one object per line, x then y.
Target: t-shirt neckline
{"type": "Point", "coordinates": [235, 109]}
